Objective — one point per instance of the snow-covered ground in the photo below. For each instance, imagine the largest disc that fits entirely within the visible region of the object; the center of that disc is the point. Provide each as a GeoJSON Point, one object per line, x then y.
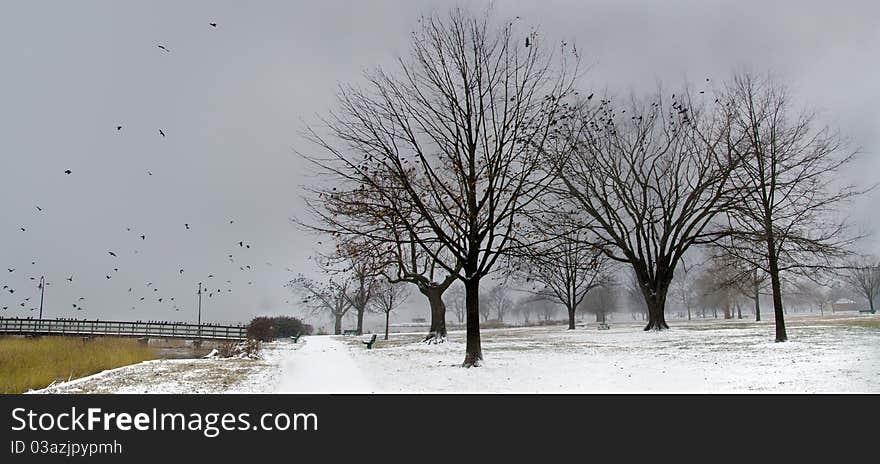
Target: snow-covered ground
{"type": "Point", "coordinates": [830, 354]}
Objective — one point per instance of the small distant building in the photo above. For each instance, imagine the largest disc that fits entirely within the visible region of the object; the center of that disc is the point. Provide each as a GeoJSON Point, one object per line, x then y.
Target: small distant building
{"type": "Point", "coordinates": [844, 304]}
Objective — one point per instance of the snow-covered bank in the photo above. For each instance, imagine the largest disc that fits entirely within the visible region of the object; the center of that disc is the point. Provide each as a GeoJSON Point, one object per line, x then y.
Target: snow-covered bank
{"type": "Point", "coordinates": [231, 375]}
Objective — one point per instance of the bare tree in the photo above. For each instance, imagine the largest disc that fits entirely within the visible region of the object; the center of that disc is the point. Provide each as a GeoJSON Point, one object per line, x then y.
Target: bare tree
{"type": "Point", "coordinates": [683, 286]}
{"type": "Point", "coordinates": [328, 297]}
{"type": "Point", "coordinates": [651, 177]}
{"type": "Point", "coordinates": [496, 300]}
{"type": "Point", "coordinates": [634, 297]}
{"type": "Point", "coordinates": [355, 261]}
{"type": "Point", "coordinates": [787, 186]}
{"type": "Point", "coordinates": [388, 298]}
{"type": "Point", "coordinates": [449, 144]}
{"type": "Point", "coordinates": [601, 301]}
{"type": "Point", "coordinates": [455, 295]}
{"type": "Point", "coordinates": [864, 278]}
{"type": "Point", "coordinates": [545, 308]}
{"type": "Point", "coordinates": [740, 273]}
{"type": "Point", "coordinates": [812, 295]}
{"type": "Point", "coordinates": [563, 265]}
{"type": "Point", "coordinates": [721, 285]}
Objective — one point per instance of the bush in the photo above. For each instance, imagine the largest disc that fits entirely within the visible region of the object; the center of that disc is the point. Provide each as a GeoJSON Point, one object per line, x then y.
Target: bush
{"type": "Point", "coordinates": [264, 328]}
{"type": "Point", "coordinates": [246, 349]}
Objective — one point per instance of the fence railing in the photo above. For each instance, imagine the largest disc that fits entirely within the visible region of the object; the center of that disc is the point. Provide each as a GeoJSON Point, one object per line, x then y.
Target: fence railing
{"type": "Point", "coordinates": [19, 326]}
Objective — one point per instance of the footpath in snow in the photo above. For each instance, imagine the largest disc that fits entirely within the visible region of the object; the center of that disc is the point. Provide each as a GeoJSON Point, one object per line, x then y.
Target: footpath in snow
{"type": "Point", "coordinates": [322, 365]}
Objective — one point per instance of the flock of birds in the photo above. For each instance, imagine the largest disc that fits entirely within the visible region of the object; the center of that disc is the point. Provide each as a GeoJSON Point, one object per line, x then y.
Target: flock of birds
{"type": "Point", "coordinates": [24, 298]}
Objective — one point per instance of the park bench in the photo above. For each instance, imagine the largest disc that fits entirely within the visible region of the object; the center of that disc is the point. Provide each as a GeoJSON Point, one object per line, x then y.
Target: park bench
{"type": "Point", "coordinates": [295, 338]}
{"type": "Point", "coordinates": [603, 326]}
{"type": "Point", "coordinates": [870, 311]}
{"type": "Point", "coordinates": [350, 332]}
{"type": "Point", "coordinates": [371, 342]}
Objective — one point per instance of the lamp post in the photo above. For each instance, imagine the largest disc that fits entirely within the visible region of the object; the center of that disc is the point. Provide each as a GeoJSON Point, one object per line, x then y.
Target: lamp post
{"type": "Point", "coordinates": [42, 292]}
{"type": "Point", "coordinates": [200, 310]}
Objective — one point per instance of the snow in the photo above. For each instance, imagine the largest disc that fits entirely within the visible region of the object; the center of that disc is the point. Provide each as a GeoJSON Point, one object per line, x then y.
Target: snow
{"type": "Point", "coordinates": [323, 365]}
{"type": "Point", "coordinates": [829, 354]}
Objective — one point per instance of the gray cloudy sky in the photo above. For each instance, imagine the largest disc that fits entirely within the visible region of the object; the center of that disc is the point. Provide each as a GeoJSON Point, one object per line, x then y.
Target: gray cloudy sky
{"type": "Point", "coordinates": [232, 100]}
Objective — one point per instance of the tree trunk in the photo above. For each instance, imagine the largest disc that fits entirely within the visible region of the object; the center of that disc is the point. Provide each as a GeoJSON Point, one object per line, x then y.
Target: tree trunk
{"type": "Point", "coordinates": [387, 317]}
{"type": "Point", "coordinates": [739, 311]}
{"type": "Point", "coordinates": [757, 299]}
{"type": "Point", "coordinates": [437, 332]}
{"type": "Point", "coordinates": [655, 299]}
{"type": "Point", "coordinates": [656, 316]}
{"type": "Point", "coordinates": [473, 351]}
{"type": "Point", "coordinates": [360, 327]}
{"type": "Point", "coordinates": [571, 310]}
{"type": "Point", "coordinates": [337, 324]}
{"type": "Point", "coordinates": [776, 284]}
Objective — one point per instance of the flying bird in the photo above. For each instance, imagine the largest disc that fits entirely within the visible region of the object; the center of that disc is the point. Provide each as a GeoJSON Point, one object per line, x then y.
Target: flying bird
{"type": "Point", "coordinates": [68, 172]}
{"type": "Point", "coordinates": [161, 133]}
{"type": "Point", "coordinates": [112, 254]}
{"type": "Point", "coordinates": [213, 24]}
{"type": "Point", "coordinates": [38, 208]}
{"type": "Point", "coordinates": [70, 279]}
{"type": "Point", "coordinates": [187, 226]}
{"type": "Point", "coordinates": [119, 128]}
{"type": "Point", "coordinates": [163, 48]}
{"type": "Point", "coordinates": [143, 237]}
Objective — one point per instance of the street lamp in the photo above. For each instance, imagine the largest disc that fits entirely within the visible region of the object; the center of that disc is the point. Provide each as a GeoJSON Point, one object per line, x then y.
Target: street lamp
{"type": "Point", "coordinates": [42, 292]}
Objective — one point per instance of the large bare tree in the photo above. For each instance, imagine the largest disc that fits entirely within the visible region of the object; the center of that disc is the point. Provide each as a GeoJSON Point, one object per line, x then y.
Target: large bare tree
{"type": "Point", "coordinates": [786, 217]}
{"type": "Point", "coordinates": [448, 143]}
{"type": "Point", "coordinates": [651, 176]}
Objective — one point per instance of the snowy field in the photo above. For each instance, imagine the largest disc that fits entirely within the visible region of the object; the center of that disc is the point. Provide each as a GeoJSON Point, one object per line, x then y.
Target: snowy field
{"type": "Point", "coordinates": [830, 354]}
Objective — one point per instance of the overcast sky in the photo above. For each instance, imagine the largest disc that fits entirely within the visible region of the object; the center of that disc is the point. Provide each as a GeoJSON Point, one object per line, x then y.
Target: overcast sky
{"type": "Point", "coordinates": [232, 101]}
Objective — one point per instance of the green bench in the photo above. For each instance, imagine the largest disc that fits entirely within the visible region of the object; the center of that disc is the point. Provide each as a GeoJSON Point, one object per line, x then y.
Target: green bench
{"type": "Point", "coordinates": [295, 338]}
{"type": "Point", "coordinates": [350, 332]}
{"type": "Point", "coordinates": [870, 311]}
{"type": "Point", "coordinates": [603, 326]}
{"type": "Point", "coordinates": [371, 342]}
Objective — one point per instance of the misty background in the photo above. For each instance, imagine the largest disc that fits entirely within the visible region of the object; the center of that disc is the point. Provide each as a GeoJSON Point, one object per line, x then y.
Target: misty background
{"type": "Point", "coordinates": [233, 99]}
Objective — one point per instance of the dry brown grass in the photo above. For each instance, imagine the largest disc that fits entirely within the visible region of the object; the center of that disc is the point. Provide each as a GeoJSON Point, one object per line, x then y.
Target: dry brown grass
{"type": "Point", "coordinates": [32, 363]}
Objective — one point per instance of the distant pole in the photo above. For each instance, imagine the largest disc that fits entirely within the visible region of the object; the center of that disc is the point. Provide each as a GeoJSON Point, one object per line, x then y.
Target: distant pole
{"type": "Point", "coordinates": [42, 292]}
{"type": "Point", "coordinates": [200, 309]}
